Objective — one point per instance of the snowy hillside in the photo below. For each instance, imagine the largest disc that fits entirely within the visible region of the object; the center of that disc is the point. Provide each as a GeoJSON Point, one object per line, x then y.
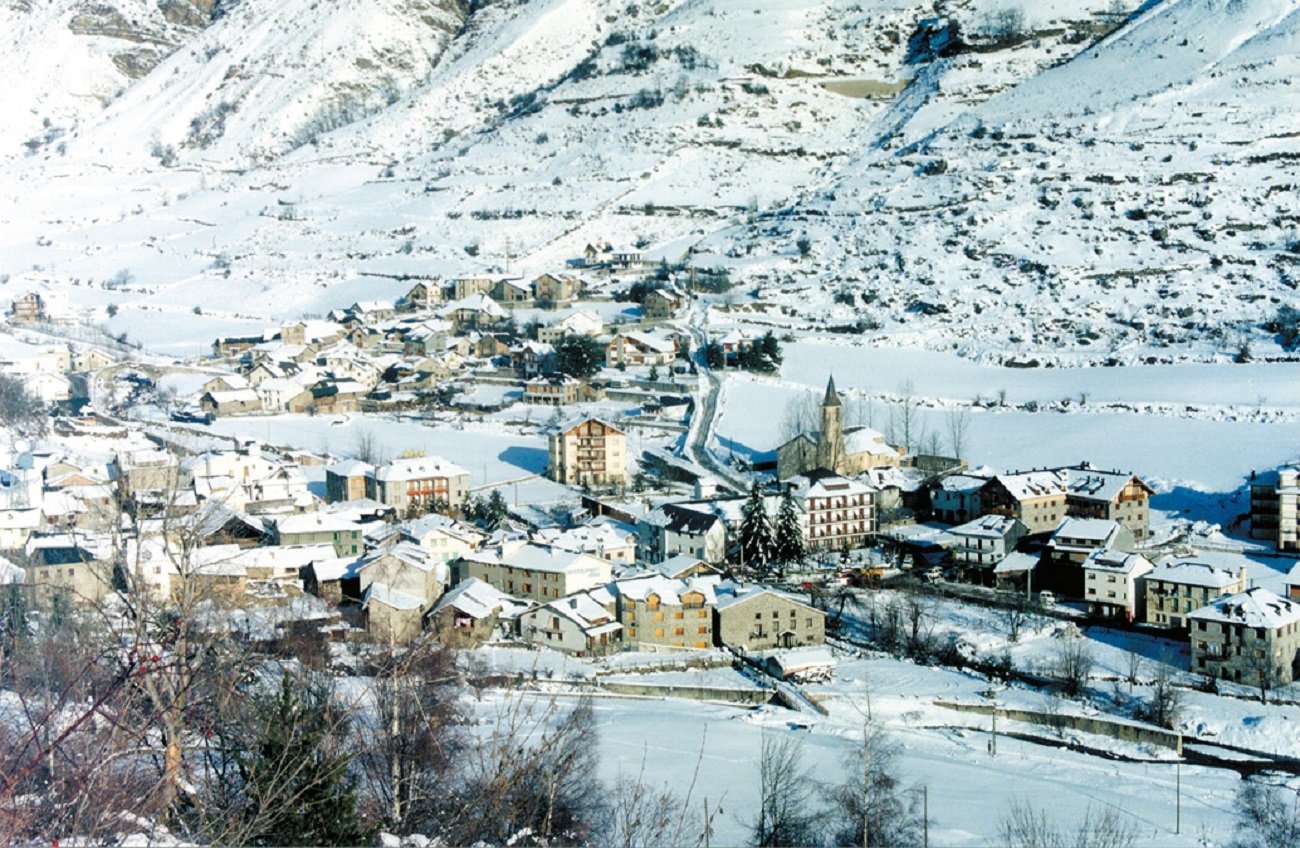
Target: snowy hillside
{"type": "Point", "coordinates": [1004, 181]}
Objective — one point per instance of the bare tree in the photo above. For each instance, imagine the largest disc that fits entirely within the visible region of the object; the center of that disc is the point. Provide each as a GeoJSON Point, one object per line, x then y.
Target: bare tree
{"type": "Point", "coordinates": [802, 415]}
{"type": "Point", "coordinates": [1016, 615]}
{"type": "Point", "coordinates": [903, 417]}
{"type": "Point", "coordinates": [873, 807]}
{"type": "Point", "coordinates": [368, 449]}
{"type": "Point", "coordinates": [1023, 826]}
{"type": "Point", "coordinates": [786, 814]}
{"type": "Point", "coordinates": [641, 816]}
{"type": "Point", "coordinates": [958, 425]}
{"type": "Point", "coordinates": [1267, 816]}
{"type": "Point", "coordinates": [1166, 702]}
{"type": "Point", "coordinates": [1073, 664]}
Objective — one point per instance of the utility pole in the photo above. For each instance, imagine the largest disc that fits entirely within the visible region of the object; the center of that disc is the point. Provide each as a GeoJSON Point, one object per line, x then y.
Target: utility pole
{"type": "Point", "coordinates": [1178, 796]}
{"type": "Point", "coordinates": [993, 743]}
{"type": "Point", "coordinates": [866, 787]}
{"type": "Point", "coordinates": [706, 821]}
{"type": "Point", "coordinates": [925, 816]}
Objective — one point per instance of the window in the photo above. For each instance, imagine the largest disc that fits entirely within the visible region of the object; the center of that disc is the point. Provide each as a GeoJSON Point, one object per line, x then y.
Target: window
{"type": "Point", "coordinates": [659, 631]}
{"type": "Point", "coordinates": [680, 631]}
{"type": "Point", "coordinates": [704, 630]}
{"type": "Point", "coordinates": [659, 616]}
{"type": "Point", "coordinates": [679, 614]}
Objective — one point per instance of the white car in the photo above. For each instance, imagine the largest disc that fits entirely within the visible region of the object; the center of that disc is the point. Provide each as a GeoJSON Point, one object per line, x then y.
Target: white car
{"type": "Point", "coordinates": [1047, 599]}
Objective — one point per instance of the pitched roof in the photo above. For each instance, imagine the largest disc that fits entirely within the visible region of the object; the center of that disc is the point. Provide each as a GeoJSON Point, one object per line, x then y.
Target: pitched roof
{"type": "Point", "coordinates": [418, 468]}
{"type": "Point", "coordinates": [479, 599]}
{"type": "Point", "coordinates": [1194, 571]}
{"type": "Point", "coordinates": [1257, 607]}
{"type": "Point", "coordinates": [986, 527]}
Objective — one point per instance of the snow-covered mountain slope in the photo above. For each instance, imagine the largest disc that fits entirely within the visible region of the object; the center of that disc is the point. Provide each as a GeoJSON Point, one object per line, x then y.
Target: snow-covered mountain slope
{"type": "Point", "coordinates": [1006, 180]}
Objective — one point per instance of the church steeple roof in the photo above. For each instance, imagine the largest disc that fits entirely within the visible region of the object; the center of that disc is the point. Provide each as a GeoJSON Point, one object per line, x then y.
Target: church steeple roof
{"type": "Point", "coordinates": [832, 396]}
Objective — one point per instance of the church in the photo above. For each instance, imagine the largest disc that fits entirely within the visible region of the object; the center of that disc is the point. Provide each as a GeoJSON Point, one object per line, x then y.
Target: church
{"type": "Point", "coordinates": [833, 448]}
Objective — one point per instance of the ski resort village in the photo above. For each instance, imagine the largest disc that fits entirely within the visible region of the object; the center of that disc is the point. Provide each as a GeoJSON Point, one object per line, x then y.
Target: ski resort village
{"type": "Point", "coordinates": [429, 423]}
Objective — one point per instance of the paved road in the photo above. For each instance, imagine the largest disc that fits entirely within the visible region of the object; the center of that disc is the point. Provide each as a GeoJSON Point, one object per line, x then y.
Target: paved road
{"type": "Point", "coordinates": [696, 444]}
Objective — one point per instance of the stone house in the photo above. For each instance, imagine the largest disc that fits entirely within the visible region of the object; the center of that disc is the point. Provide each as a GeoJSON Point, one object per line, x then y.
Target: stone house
{"type": "Point", "coordinates": [579, 323]}
{"type": "Point", "coordinates": [661, 612]}
{"type": "Point", "coordinates": [470, 612]}
{"type": "Point", "coordinates": [512, 292]}
{"type": "Point", "coordinates": [237, 402]}
{"type": "Point", "coordinates": [556, 288]}
{"type": "Point", "coordinates": [757, 619]}
{"type": "Point", "coordinates": [1179, 585]}
{"type": "Point", "coordinates": [552, 390]}
{"type": "Point", "coordinates": [347, 480]}
{"type": "Point", "coordinates": [1073, 542]}
{"type": "Point", "coordinates": [399, 584]}
{"type": "Point", "coordinates": [1250, 637]}
{"type": "Point", "coordinates": [28, 308]}
{"type": "Point", "coordinates": [661, 304]}
{"type": "Point", "coordinates": [1036, 498]}
{"type": "Point", "coordinates": [578, 624]}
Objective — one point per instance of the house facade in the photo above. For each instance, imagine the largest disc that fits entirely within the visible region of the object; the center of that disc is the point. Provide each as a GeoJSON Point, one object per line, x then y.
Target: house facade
{"type": "Point", "coordinates": [755, 619]}
{"type": "Point", "coordinates": [1250, 637]}
{"type": "Point", "coordinates": [587, 452]}
{"type": "Point", "coordinates": [419, 484]}
{"type": "Point", "coordinates": [1275, 507]}
{"type": "Point", "coordinates": [840, 514]}
{"type": "Point", "coordinates": [1114, 584]}
{"type": "Point", "coordinates": [658, 612]}
{"type": "Point", "coordinates": [1180, 585]}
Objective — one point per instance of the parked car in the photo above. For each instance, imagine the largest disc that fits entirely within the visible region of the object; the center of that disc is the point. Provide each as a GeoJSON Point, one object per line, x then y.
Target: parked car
{"type": "Point", "coordinates": [933, 574]}
{"type": "Point", "coordinates": [1047, 599]}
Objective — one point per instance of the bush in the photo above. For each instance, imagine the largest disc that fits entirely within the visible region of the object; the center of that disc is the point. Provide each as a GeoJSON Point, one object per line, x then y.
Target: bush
{"type": "Point", "coordinates": [1286, 324]}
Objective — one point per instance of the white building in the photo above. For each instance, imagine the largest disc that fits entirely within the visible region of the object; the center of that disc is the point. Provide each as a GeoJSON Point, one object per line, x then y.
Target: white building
{"type": "Point", "coordinates": [1113, 584]}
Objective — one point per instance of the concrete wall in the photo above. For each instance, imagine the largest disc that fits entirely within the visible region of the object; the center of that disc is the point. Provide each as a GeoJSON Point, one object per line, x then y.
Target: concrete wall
{"type": "Point", "coordinates": [1085, 724]}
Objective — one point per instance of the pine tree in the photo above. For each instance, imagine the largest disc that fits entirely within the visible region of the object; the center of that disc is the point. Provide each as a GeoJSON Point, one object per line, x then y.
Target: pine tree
{"type": "Point", "coordinates": [297, 792]}
{"type": "Point", "coordinates": [756, 540]}
{"type": "Point", "coordinates": [495, 511]}
{"type": "Point", "coordinates": [13, 615]}
{"type": "Point", "coordinates": [789, 546]}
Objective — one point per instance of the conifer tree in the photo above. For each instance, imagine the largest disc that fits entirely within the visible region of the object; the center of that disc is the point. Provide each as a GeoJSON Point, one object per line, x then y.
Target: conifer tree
{"type": "Point", "coordinates": [789, 545]}
{"type": "Point", "coordinates": [756, 539]}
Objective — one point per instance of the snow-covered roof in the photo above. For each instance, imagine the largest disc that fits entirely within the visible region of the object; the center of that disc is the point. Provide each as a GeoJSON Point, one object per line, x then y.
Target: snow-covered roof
{"type": "Point", "coordinates": [1033, 484]}
{"type": "Point", "coordinates": [730, 594]}
{"type": "Point", "coordinates": [350, 468]}
{"type": "Point", "coordinates": [585, 611]}
{"type": "Point", "coordinates": [669, 590]}
{"type": "Point", "coordinates": [1016, 563]}
{"type": "Point", "coordinates": [590, 539]}
{"type": "Point", "coordinates": [865, 440]}
{"type": "Point", "coordinates": [1196, 571]}
{"type": "Point", "coordinates": [337, 568]}
{"type": "Point", "coordinates": [1090, 483]}
{"type": "Point", "coordinates": [418, 468]}
{"type": "Point", "coordinates": [479, 599]}
{"type": "Point", "coordinates": [1117, 562]}
{"type": "Point", "coordinates": [827, 486]}
{"type": "Point", "coordinates": [677, 564]}
{"type": "Point", "coordinates": [1088, 531]}
{"type": "Point", "coordinates": [577, 421]}
{"type": "Point", "coordinates": [315, 522]}
{"type": "Point", "coordinates": [420, 528]}
{"type": "Point", "coordinates": [234, 396]}
{"type": "Point", "coordinates": [986, 527]}
{"type": "Point", "coordinates": [541, 558]}
{"type": "Point", "coordinates": [1257, 607]}
{"type": "Point", "coordinates": [10, 573]}
{"type": "Point", "coordinates": [650, 341]}
{"type": "Point", "coordinates": [407, 553]}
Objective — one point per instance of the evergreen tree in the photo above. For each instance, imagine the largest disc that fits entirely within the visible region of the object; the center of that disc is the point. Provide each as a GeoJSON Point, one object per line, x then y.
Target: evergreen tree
{"type": "Point", "coordinates": [495, 511]}
{"type": "Point", "coordinates": [579, 356]}
{"type": "Point", "coordinates": [714, 357]}
{"type": "Point", "coordinates": [789, 546]}
{"type": "Point", "coordinates": [297, 791]}
{"type": "Point", "coordinates": [13, 615]}
{"type": "Point", "coordinates": [756, 539]}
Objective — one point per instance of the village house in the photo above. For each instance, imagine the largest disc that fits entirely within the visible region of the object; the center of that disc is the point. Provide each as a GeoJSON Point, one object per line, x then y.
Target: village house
{"type": "Point", "coordinates": [512, 292]}
{"type": "Point", "coordinates": [1179, 585]}
{"type": "Point", "coordinates": [839, 513]}
{"type": "Point", "coordinates": [1036, 498]}
{"type": "Point", "coordinates": [234, 402]}
{"type": "Point", "coordinates": [681, 566]}
{"type": "Point", "coordinates": [226, 383]}
{"type": "Point", "coordinates": [444, 538]}
{"type": "Point", "coordinates": [1073, 542]}
{"type": "Point", "coordinates": [471, 611]}
{"type": "Point", "coordinates": [422, 295]}
{"type": "Point", "coordinates": [983, 543]}
{"type": "Point", "coordinates": [472, 312]}
{"type": "Point", "coordinates": [955, 498]}
{"type": "Point", "coordinates": [530, 358]}
{"type": "Point", "coordinates": [638, 348]}
{"type": "Point", "coordinates": [1114, 584]}
{"type": "Point", "coordinates": [673, 529]}
{"type": "Point", "coordinates": [579, 323]}
{"type": "Point", "coordinates": [556, 289]}
{"type": "Point", "coordinates": [399, 584]}
{"type": "Point", "coordinates": [47, 387]}
{"type": "Point", "coordinates": [662, 304]}
{"type": "Point", "coordinates": [552, 390]}
{"type": "Point", "coordinates": [339, 529]}
{"type": "Point", "coordinates": [17, 526]}
{"type": "Point", "coordinates": [577, 624]}
{"type": "Point", "coordinates": [347, 480]}
{"type": "Point", "coordinates": [1118, 496]}
{"type": "Point", "coordinates": [586, 452]}
{"type": "Point", "coordinates": [480, 284]}
{"type": "Point", "coordinates": [532, 571]}
{"type": "Point", "coordinates": [660, 612]}
{"type": "Point", "coordinates": [419, 484]}
{"type": "Point", "coordinates": [1251, 637]}
{"type": "Point", "coordinates": [28, 308]}
{"type": "Point", "coordinates": [91, 359]}
{"type": "Point", "coordinates": [1275, 507]}
{"type": "Point", "coordinates": [75, 566]}
{"type": "Point", "coordinates": [757, 619]}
